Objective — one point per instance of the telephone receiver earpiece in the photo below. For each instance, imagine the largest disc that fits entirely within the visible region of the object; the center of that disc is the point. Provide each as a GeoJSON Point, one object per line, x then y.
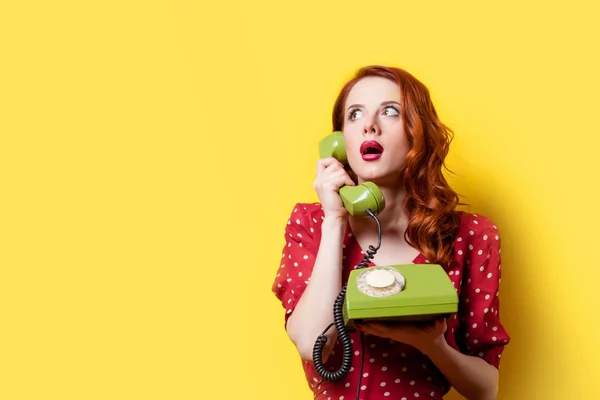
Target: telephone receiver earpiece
{"type": "Point", "coordinates": [356, 199]}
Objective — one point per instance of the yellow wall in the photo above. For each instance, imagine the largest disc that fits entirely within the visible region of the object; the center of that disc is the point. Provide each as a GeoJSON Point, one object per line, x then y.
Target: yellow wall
{"type": "Point", "coordinates": [152, 151]}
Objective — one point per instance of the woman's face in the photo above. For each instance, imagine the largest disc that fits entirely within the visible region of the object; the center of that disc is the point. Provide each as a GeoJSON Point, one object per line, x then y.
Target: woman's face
{"type": "Point", "coordinates": [376, 143]}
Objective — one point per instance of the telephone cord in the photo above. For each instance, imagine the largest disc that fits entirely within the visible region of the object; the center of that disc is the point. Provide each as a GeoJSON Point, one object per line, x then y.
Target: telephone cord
{"type": "Point", "coordinates": [338, 321]}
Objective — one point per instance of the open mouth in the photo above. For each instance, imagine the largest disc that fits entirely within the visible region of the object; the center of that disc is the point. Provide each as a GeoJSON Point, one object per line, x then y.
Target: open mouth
{"type": "Point", "coordinates": [371, 150]}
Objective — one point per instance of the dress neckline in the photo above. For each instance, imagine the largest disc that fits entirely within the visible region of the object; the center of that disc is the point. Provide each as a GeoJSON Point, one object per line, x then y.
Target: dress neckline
{"type": "Point", "coordinates": [419, 259]}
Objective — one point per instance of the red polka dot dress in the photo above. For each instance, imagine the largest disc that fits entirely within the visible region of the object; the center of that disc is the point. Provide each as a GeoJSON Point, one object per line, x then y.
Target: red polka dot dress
{"type": "Point", "coordinates": [393, 370]}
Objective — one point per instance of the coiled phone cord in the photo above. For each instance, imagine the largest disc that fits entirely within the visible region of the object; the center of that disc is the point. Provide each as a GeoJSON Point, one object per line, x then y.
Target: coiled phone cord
{"type": "Point", "coordinates": [338, 321]}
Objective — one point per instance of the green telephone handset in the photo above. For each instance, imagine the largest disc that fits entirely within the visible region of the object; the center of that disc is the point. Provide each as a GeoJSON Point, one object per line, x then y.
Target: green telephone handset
{"type": "Point", "coordinates": [411, 292]}
{"type": "Point", "coordinates": [356, 199]}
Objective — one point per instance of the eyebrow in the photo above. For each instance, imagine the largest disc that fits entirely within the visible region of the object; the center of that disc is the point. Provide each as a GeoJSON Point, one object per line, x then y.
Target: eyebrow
{"type": "Point", "coordinates": [383, 103]}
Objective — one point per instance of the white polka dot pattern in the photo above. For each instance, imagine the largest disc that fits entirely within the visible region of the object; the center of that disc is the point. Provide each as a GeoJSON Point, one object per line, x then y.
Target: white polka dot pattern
{"type": "Point", "coordinates": [393, 370]}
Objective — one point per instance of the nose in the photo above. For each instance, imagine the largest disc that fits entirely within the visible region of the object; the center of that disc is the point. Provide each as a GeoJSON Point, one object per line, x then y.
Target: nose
{"type": "Point", "coordinates": [371, 128]}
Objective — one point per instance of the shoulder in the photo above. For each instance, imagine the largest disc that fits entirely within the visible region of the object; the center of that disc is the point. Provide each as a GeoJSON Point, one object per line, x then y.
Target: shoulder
{"type": "Point", "coordinates": [477, 242]}
{"type": "Point", "coordinates": [476, 228]}
{"type": "Point", "coordinates": [306, 216]}
{"type": "Point", "coordinates": [477, 250]}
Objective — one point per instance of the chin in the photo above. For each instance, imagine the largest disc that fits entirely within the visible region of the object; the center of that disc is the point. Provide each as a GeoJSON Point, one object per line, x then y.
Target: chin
{"type": "Point", "coordinates": [380, 172]}
{"type": "Point", "coordinates": [379, 177]}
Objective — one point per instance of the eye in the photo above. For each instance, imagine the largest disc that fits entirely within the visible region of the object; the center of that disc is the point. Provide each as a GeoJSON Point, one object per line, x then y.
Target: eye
{"type": "Point", "coordinates": [355, 114]}
{"type": "Point", "coordinates": [390, 111]}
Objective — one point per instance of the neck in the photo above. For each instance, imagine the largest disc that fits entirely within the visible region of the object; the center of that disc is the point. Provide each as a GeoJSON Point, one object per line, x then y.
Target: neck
{"type": "Point", "coordinates": [393, 217]}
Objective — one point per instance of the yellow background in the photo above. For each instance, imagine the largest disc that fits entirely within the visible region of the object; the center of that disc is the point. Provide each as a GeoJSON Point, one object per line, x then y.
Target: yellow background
{"type": "Point", "coordinates": [151, 152]}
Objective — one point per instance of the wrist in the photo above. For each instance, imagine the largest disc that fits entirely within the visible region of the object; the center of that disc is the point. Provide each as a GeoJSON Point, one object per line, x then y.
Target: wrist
{"type": "Point", "coordinates": [334, 223]}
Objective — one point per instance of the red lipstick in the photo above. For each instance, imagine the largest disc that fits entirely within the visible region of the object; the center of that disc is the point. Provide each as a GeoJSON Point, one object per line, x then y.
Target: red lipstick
{"type": "Point", "coordinates": [371, 150]}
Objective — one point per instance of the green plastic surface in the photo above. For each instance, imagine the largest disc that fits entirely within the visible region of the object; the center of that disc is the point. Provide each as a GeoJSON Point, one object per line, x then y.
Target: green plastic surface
{"type": "Point", "coordinates": [428, 293]}
{"type": "Point", "coordinates": [333, 145]}
{"type": "Point", "coordinates": [356, 199]}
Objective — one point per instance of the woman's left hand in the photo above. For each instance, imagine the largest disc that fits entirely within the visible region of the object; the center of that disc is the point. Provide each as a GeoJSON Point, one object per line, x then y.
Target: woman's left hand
{"type": "Point", "coordinates": [424, 336]}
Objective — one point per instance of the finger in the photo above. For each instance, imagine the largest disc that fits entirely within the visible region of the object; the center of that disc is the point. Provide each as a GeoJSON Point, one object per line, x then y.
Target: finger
{"type": "Point", "coordinates": [423, 322]}
{"type": "Point", "coordinates": [374, 328]}
{"type": "Point", "coordinates": [337, 173]}
{"type": "Point", "coordinates": [343, 177]}
{"type": "Point", "coordinates": [408, 327]}
{"type": "Point", "coordinates": [336, 183]}
{"type": "Point", "coordinates": [441, 324]}
{"type": "Point", "coordinates": [347, 180]}
{"type": "Point", "coordinates": [366, 329]}
{"type": "Point", "coordinates": [324, 163]}
{"type": "Point", "coordinates": [333, 168]}
{"type": "Point", "coordinates": [334, 180]}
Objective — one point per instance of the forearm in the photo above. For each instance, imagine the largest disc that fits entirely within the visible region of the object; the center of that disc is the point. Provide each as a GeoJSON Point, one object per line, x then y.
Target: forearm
{"type": "Point", "coordinates": [472, 377]}
{"type": "Point", "coordinates": [314, 311]}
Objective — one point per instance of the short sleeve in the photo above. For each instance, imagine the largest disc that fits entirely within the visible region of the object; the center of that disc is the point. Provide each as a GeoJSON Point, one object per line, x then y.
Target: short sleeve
{"type": "Point", "coordinates": [484, 334]}
{"type": "Point", "coordinates": [297, 258]}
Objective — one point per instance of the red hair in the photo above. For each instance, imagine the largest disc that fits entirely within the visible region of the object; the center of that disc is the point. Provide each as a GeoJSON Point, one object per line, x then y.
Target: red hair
{"type": "Point", "coordinates": [430, 201]}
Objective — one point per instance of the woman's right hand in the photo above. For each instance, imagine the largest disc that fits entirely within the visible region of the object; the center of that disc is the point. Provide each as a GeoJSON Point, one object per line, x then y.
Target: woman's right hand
{"type": "Point", "coordinates": [330, 177]}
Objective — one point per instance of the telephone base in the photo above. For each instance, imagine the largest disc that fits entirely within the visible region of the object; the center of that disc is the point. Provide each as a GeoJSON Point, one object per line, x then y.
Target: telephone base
{"type": "Point", "coordinates": [415, 319]}
{"type": "Point", "coordinates": [402, 293]}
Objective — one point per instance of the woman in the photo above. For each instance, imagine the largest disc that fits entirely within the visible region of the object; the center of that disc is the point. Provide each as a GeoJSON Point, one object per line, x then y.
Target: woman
{"type": "Point", "coordinates": [390, 112]}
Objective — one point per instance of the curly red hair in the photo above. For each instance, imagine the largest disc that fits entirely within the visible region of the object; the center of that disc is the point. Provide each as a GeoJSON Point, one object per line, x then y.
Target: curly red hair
{"type": "Point", "coordinates": [430, 202]}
